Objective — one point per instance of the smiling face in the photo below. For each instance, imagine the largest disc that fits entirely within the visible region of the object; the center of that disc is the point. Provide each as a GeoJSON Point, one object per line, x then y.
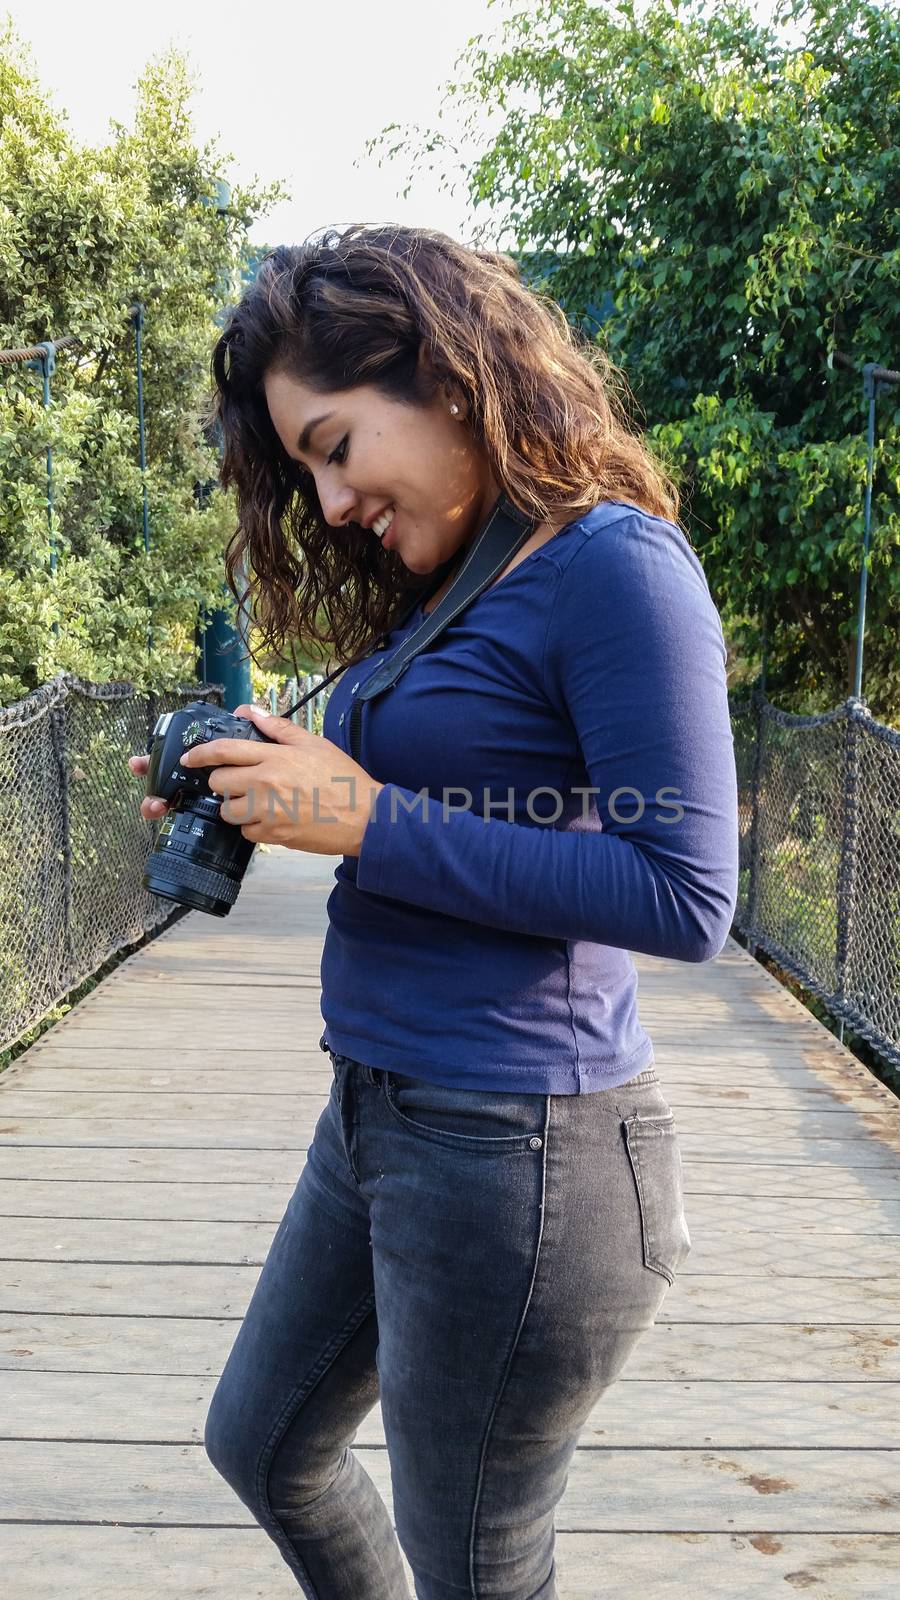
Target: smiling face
{"type": "Point", "coordinates": [371, 454]}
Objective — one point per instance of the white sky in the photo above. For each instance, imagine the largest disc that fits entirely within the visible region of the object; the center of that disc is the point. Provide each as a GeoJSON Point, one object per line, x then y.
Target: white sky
{"type": "Point", "coordinates": [293, 91]}
{"type": "Point", "coordinates": [290, 90]}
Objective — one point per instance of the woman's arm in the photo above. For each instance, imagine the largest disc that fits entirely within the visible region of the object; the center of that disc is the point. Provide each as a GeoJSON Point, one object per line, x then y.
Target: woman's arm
{"type": "Point", "coordinates": [634, 659]}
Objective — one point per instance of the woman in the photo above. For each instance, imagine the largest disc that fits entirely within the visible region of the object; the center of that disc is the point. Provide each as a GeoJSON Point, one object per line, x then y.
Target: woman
{"type": "Point", "coordinates": [491, 1211]}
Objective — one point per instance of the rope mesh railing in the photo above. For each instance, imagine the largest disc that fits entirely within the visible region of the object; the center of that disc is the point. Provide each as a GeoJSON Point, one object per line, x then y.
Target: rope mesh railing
{"type": "Point", "coordinates": [819, 891]}
{"type": "Point", "coordinates": [819, 865]}
{"type": "Point", "coordinates": [72, 841]}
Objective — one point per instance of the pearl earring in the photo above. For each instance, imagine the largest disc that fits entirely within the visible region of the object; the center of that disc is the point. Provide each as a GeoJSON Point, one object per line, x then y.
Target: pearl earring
{"type": "Point", "coordinates": [454, 410]}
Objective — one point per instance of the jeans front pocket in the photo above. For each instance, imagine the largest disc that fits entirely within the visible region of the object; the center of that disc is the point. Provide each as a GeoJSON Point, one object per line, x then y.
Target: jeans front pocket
{"type": "Point", "coordinates": [467, 1119]}
{"type": "Point", "coordinates": [655, 1158]}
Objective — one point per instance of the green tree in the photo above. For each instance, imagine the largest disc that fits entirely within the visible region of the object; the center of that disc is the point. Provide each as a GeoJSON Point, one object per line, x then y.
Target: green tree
{"type": "Point", "coordinates": [733, 187]}
{"type": "Point", "coordinates": [84, 234]}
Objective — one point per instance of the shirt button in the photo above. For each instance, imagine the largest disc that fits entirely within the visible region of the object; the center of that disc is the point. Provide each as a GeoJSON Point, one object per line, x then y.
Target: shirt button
{"type": "Point", "coordinates": [535, 1144]}
{"type": "Point", "coordinates": [354, 689]}
{"type": "Point", "coordinates": [341, 720]}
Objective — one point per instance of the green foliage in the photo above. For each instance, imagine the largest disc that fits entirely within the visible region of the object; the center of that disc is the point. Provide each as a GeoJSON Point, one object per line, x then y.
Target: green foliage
{"type": "Point", "coordinates": [734, 189]}
{"type": "Point", "coordinates": [84, 234]}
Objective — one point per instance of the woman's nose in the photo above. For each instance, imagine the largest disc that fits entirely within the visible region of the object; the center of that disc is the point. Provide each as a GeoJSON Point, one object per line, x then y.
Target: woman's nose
{"type": "Point", "coordinates": [338, 506]}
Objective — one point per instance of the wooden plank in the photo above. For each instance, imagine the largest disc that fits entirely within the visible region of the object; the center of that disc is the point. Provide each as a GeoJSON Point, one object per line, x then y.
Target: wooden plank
{"type": "Point", "coordinates": [65, 1341]}
{"type": "Point", "coordinates": [791, 1181]}
{"type": "Point", "coordinates": [788, 1298]}
{"type": "Point", "coordinates": [256, 1107]}
{"type": "Point", "coordinates": [190, 983]}
{"type": "Point", "coordinates": [780, 1069]}
{"type": "Point", "coordinates": [165, 1409]}
{"type": "Point", "coordinates": [830, 1154]}
{"type": "Point", "coordinates": [265, 1202]}
{"type": "Point", "coordinates": [739, 1491]}
{"type": "Point", "coordinates": [777, 1069]}
{"type": "Point", "coordinates": [172, 1202]}
{"type": "Point", "coordinates": [253, 1107]}
{"type": "Point", "coordinates": [717, 1249]}
{"type": "Point", "coordinates": [296, 1024]}
{"type": "Point", "coordinates": [308, 1073]}
{"type": "Point", "coordinates": [738, 1214]}
{"type": "Point", "coordinates": [165, 1563]}
{"type": "Point", "coordinates": [209, 1290]}
{"type": "Point", "coordinates": [184, 1007]}
{"type": "Point", "coordinates": [122, 1163]}
{"type": "Point", "coordinates": [832, 1071]}
{"type": "Point", "coordinates": [210, 1134]}
{"type": "Point", "coordinates": [161, 1133]}
{"type": "Point", "coordinates": [216, 1243]}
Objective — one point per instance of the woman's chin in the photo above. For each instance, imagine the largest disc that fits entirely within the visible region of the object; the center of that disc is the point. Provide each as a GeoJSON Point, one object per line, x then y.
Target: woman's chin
{"type": "Point", "coordinates": [416, 564]}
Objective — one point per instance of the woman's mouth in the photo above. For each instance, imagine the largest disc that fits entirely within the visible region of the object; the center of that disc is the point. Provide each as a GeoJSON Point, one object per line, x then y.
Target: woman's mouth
{"type": "Point", "coordinates": [382, 528]}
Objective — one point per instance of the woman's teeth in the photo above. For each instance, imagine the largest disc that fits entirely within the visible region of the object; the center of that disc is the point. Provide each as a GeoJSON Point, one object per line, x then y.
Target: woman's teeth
{"type": "Point", "coordinates": [381, 526]}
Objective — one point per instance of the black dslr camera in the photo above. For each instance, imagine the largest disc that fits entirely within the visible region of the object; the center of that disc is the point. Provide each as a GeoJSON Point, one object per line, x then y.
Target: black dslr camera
{"type": "Point", "coordinates": [197, 860]}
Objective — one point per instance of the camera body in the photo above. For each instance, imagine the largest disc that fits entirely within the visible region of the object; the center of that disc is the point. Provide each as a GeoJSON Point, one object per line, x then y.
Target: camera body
{"type": "Point", "coordinates": [198, 860]}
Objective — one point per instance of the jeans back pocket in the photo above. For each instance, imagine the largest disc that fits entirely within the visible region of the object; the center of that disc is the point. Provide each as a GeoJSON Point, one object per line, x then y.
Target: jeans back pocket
{"type": "Point", "coordinates": [655, 1158]}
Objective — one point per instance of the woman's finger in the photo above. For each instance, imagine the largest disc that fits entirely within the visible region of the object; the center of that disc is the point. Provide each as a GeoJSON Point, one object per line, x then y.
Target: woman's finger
{"type": "Point", "coordinates": [152, 806]}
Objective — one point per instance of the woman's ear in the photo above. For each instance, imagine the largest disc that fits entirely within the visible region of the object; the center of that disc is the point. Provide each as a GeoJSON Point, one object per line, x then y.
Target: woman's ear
{"type": "Point", "coordinates": [448, 393]}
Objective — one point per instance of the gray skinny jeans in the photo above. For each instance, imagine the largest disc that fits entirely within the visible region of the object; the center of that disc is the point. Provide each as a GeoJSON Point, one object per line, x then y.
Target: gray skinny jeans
{"type": "Point", "coordinates": [482, 1264]}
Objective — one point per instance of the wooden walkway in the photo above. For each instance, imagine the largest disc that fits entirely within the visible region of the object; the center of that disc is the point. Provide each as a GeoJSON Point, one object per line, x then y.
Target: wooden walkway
{"type": "Point", "coordinates": [745, 1453]}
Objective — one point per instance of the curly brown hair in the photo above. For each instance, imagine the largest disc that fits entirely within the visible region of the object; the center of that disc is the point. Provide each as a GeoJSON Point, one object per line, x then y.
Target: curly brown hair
{"type": "Point", "coordinates": [547, 407]}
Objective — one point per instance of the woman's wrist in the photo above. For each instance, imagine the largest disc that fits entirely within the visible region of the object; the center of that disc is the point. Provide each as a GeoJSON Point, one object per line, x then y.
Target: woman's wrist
{"type": "Point", "coordinates": [362, 820]}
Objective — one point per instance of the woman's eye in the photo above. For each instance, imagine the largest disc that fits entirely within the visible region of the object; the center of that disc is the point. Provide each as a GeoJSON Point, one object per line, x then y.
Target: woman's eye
{"type": "Point", "coordinates": [340, 454]}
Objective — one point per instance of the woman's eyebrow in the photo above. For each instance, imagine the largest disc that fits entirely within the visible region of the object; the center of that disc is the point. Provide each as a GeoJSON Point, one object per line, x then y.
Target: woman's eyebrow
{"type": "Point", "coordinates": [303, 441]}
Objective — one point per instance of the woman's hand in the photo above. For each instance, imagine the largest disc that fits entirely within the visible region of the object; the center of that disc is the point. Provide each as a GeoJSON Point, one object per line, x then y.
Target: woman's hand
{"type": "Point", "coordinates": [151, 806]}
{"type": "Point", "coordinates": [301, 791]}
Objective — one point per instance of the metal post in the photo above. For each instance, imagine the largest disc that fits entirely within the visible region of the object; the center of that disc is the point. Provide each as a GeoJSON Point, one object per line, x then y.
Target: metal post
{"type": "Point", "coordinates": [764, 661]}
{"type": "Point", "coordinates": [847, 862]}
{"type": "Point", "coordinates": [758, 704]}
{"type": "Point", "coordinates": [59, 742]}
{"type": "Point", "coordinates": [46, 365]}
{"type": "Point", "coordinates": [293, 693]}
{"type": "Point", "coordinates": [137, 314]}
{"type": "Point", "coordinates": [870, 391]}
{"type": "Point", "coordinates": [138, 318]}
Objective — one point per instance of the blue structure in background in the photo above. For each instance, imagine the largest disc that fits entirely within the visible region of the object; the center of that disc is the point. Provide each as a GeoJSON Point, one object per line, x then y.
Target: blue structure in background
{"type": "Point", "coordinates": [222, 658]}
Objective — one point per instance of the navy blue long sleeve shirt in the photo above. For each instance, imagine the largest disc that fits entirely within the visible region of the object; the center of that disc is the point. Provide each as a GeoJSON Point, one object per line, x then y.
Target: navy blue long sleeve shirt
{"type": "Point", "coordinates": [559, 790]}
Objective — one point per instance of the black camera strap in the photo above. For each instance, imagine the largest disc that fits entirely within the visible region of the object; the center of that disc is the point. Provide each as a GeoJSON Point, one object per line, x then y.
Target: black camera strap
{"type": "Point", "coordinates": [504, 532]}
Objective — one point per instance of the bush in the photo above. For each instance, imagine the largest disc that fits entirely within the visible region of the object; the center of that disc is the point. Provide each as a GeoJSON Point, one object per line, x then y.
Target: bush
{"type": "Point", "coordinates": [84, 235]}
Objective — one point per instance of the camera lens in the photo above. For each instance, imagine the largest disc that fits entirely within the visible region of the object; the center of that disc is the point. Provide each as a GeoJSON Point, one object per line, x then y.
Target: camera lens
{"type": "Point", "coordinates": [198, 860]}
